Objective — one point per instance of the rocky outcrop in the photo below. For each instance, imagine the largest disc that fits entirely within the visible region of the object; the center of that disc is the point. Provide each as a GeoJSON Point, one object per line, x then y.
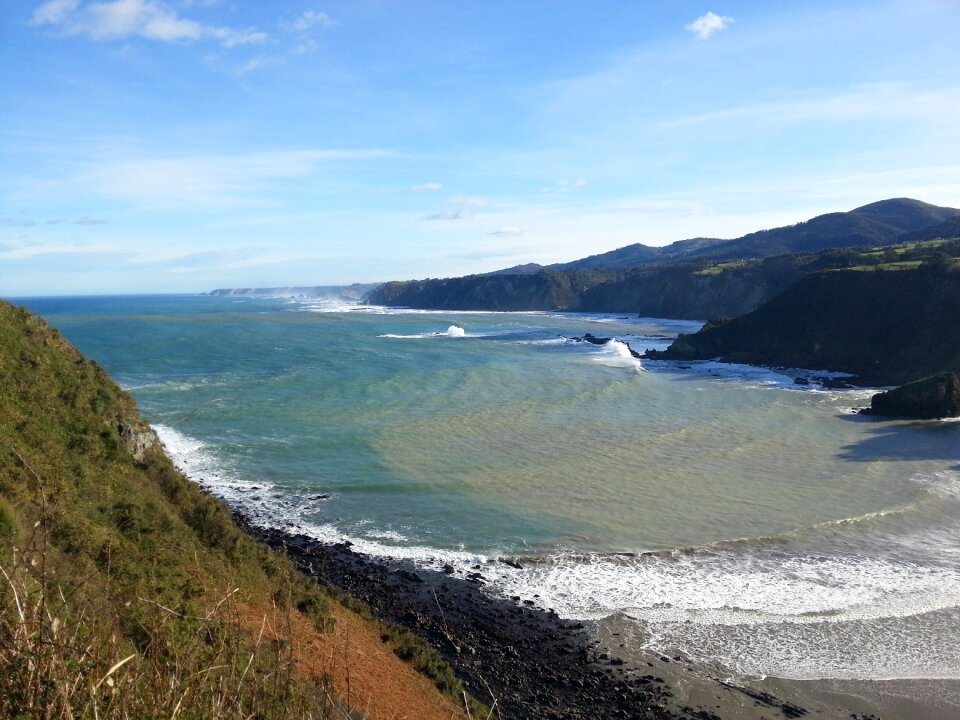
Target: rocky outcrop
{"type": "Point", "coordinates": [937, 396]}
{"type": "Point", "coordinates": [887, 327]}
{"type": "Point", "coordinates": [139, 441]}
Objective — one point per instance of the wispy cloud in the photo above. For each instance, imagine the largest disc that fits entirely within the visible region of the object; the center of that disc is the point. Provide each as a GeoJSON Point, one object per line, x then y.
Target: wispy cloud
{"type": "Point", "coordinates": [423, 187]}
{"type": "Point", "coordinates": [209, 181]}
{"type": "Point", "coordinates": [257, 63]}
{"type": "Point", "coordinates": [563, 187]}
{"type": "Point", "coordinates": [873, 101]}
{"type": "Point", "coordinates": [473, 202]}
{"type": "Point", "coordinates": [506, 232]}
{"type": "Point", "coordinates": [149, 19]}
{"type": "Point", "coordinates": [26, 222]}
{"type": "Point", "coordinates": [307, 21]}
{"type": "Point", "coordinates": [457, 215]}
{"type": "Point", "coordinates": [706, 25]}
{"type": "Point", "coordinates": [31, 250]}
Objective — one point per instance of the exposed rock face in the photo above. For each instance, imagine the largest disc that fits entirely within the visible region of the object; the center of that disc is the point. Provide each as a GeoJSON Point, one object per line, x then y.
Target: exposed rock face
{"type": "Point", "coordinates": [936, 396]}
{"type": "Point", "coordinates": [138, 440]}
{"type": "Point", "coordinates": [887, 327]}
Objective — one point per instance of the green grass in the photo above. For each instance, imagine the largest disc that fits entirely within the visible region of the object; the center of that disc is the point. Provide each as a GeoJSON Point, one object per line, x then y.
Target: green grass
{"type": "Point", "coordinates": [123, 586]}
{"type": "Point", "coordinates": [887, 266]}
{"type": "Point", "coordinates": [721, 267]}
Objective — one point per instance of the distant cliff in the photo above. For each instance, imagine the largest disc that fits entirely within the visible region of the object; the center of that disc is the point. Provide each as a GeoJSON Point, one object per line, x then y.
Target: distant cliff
{"type": "Point", "coordinates": [694, 290]}
{"type": "Point", "coordinates": [885, 326]}
{"type": "Point", "coordinates": [696, 278]}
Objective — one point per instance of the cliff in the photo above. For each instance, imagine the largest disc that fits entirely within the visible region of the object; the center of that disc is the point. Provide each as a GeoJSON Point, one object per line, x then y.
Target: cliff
{"type": "Point", "coordinates": [129, 592]}
{"type": "Point", "coordinates": [886, 326]}
{"type": "Point", "coordinates": [696, 278]}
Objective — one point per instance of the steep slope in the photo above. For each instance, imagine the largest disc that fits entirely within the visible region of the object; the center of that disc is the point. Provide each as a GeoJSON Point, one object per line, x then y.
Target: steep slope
{"type": "Point", "coordinates": [878, 223]}
{"type": "Point", "coordinates": [947, 229]}
{"type": "Point", "coordinates": [886, 326]}
{"type": "Point", "coordinates": [129, 592]}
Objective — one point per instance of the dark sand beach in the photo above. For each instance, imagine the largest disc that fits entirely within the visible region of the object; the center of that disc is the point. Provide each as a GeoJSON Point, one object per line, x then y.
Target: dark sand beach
{"type": "Point", "coordinates": [529, 663]}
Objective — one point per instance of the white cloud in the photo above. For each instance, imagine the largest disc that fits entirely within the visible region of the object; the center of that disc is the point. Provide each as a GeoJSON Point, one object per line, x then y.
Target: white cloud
{"type": "Point", "coordinates": [209, 181]}
{"type": "Point", "coordinates": [706, 25]}
{"type": "Point", "coordinates": [423, 187]}
{"type": "Point", "coordinates": [256, 63]}
{"type": "Point", "coordinates": [564, 186]}
{"type": "Point", "coordinates": [150, 19]}
{"type": "Point", "coordinates": [308, 20]}
{"type": "Point", "coordinates": [471, 201]}
{"type": "Point", "coordinates": [507, 232]}
{"type": "Point", "coordinates": [54, 11]}
{"type": "Point", "coordinates": [29, 251]}
{"type": "Point", "coordinates": [873, 101]}
{"type": "Point", "coordinates": [458, 215]}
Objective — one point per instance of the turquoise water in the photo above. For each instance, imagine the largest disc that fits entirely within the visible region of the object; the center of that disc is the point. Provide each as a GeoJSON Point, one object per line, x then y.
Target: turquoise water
{"type": "Point", "coordinates": [736, 516]}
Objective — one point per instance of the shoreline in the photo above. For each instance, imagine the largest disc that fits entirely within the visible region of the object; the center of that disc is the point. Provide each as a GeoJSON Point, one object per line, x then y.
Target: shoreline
{"type": "Point", "coordinates": [527, 661]}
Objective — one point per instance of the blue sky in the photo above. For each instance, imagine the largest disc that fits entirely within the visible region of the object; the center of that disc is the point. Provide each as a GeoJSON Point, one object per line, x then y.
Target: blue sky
{"type": "Point", "coordinates": [180, 146]}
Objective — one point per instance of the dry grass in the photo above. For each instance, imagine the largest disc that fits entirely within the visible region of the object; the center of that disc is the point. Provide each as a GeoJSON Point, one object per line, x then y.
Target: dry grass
{"type": "Point", "coordinates": [64, 654]}
{"type": "Point", "coordinates": [128, 592]}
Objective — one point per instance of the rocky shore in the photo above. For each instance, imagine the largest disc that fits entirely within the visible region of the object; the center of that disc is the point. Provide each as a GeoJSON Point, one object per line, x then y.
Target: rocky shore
{"type": "Point", "coordinates": [521, 659]}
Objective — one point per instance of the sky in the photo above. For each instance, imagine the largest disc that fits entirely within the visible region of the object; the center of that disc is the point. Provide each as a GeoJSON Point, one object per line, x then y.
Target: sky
{"type": "Point", "coordinates": [186, 145]}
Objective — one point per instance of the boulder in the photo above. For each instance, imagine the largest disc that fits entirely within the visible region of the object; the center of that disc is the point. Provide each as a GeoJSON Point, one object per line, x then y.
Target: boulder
{"type": "Point", "coordinates": [936, 396]}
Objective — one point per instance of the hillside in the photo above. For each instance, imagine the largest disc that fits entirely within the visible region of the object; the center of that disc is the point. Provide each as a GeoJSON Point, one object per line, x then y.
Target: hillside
{"type": "Point", "coordinates": [878, 223]}
{"type": "Point", "coordinates": [696, 278]}
{"type": "Point", "coordinates": [887, 325]}
{"type": "Point", "coordinates": [129, 592]}
{"type": "Point", "coordinates": [685, 291]}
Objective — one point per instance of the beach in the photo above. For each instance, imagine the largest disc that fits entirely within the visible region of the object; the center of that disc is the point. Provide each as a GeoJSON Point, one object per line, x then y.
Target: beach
{"type": "Point", "coordinates": [528, 662]}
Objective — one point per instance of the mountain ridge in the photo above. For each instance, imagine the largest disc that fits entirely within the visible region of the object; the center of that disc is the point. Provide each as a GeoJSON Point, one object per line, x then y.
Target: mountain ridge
{"type": "Point", "coordinates": [873, 224]}
{"type": "Point", "coordinates": [688, 288]}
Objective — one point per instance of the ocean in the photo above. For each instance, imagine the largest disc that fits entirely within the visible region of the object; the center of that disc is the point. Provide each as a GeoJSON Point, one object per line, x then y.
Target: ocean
{"type": "Point", "coordinates": [727, 512]}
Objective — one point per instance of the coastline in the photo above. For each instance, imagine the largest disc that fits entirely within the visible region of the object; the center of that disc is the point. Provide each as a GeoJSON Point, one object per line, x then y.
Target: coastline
{"type": "Point", "coordinates": [775, 697]}
{"type": "Point", "coordinates": [528, 662]}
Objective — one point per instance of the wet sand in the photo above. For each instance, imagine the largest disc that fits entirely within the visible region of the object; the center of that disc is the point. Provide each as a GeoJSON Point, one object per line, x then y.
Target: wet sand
{"type": "Point", "coordinates": [709, 688]}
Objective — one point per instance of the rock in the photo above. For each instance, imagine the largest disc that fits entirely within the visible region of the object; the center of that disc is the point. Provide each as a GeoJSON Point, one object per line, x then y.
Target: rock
{"type": "Point", "coordinates": [138, 442]}
{"type": "Point", "coordinates": [448, 569]}
{"type": "Point", "coordinates": [936, 396]}
{"type": "Point", "coordinates": [410, 575]}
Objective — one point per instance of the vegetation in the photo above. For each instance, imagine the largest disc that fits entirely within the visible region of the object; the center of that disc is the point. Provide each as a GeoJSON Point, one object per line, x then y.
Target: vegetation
{"type": "Point", "coordinates": [888, 325]}
{"type": "Point", "coordinates": [695, 289]}
{"type": "Point", "coordinates": [126, 591]}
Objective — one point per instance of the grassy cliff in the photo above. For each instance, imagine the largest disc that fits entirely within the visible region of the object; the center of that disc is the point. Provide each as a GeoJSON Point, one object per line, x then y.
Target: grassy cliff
{"type": "Point", "coordinates": [126, 591]}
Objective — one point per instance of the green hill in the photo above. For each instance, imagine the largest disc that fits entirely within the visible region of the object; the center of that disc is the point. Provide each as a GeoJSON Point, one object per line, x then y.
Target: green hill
{"type": "Point", "coordinates": [878, 223]}
{"type": "Point", "coordinates": [126, 591]}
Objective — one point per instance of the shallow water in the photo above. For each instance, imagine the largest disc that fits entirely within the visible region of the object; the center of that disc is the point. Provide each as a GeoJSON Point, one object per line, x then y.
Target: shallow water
{"type": "Point", "coordinates": [736, 516]}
